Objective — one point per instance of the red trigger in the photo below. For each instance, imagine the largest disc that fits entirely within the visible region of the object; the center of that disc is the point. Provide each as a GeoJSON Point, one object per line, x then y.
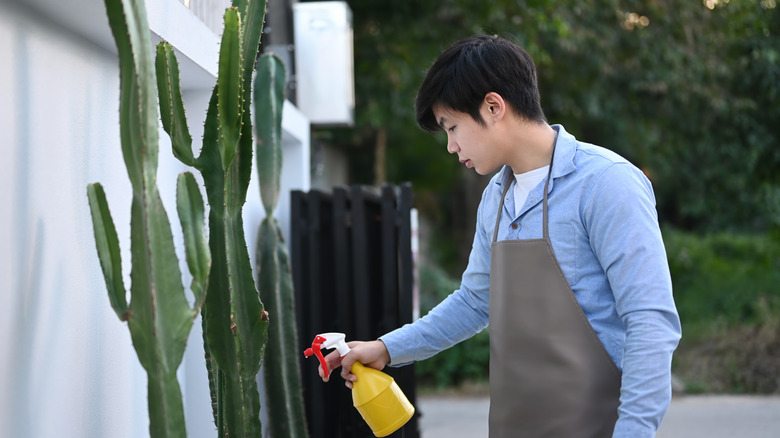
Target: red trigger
{"type": "Point", "coordinates": [315, 349]}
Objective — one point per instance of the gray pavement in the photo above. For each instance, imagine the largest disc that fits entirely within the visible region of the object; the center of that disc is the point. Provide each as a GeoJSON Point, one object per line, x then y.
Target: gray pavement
{"type": "Point", "coordinates": [710, 416]}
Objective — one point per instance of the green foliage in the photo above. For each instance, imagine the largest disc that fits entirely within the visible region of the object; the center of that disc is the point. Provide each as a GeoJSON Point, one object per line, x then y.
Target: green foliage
{"type": "Point", "coordinates": [158, 315]}
{"type": "Point", "coordinates": [686, 92]}
{"type": "Point", "coordinates": [724, 278]}
{"type": "Point", "coordinates": [667, 94]}
{"type": "Point", "coordinates": [727, 293]}
{"type": "Point", "coordinates": [465, 362]}
{"type": "Point", "coordinates": [281, 369]}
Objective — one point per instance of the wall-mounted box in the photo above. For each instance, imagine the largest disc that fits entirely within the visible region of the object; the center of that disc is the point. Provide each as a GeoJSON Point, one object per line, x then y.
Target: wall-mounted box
{"type": "Point", "coordinates": [324, 66]}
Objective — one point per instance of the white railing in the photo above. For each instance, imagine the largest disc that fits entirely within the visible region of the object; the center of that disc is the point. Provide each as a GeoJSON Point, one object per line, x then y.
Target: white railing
{"type": "Point", "coordinates": [210, 12]}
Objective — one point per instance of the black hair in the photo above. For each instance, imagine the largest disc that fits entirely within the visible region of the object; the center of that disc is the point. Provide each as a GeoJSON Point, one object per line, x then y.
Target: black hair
{"type": "Point", "coordinates": [470, 68]}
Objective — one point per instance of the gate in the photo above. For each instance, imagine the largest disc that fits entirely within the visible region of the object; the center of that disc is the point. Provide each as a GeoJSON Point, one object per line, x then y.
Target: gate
{"type": "Point", "coordinates": [353, 273]}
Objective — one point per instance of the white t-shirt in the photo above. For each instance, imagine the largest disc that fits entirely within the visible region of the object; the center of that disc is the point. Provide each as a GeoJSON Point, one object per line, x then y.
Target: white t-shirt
{"type": "Point", "coordinates": [525, 183]}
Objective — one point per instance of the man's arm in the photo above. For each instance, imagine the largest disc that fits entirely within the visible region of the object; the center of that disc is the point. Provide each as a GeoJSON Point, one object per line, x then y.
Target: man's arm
{"type": "Point", "coordinates": [458, 317]}
{"type": "Point", "coordinates": [622, 221]}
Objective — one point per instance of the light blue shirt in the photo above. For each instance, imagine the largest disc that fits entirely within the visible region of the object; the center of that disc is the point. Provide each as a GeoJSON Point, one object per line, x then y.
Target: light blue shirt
{"type": "Point", "coordinates": [604, 230]}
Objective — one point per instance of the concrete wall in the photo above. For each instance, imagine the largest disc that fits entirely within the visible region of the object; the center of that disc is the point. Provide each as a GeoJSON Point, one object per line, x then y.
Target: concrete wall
{"type": "Point", "coordinates": [67, 365]}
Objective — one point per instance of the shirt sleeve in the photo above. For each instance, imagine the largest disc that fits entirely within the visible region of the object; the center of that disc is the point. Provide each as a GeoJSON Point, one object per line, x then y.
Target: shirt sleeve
{"type": "Point", "coordinates": [622, 222]}
{"type": "Point", "coordinates": [458, 317]}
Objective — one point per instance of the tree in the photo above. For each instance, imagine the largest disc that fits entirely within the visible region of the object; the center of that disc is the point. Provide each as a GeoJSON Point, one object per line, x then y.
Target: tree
{"type": "Point", "coordinates": [686, 90]}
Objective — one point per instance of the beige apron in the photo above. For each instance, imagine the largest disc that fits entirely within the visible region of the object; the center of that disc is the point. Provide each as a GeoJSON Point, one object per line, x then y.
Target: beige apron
{"type": "Point", "coordinates": [550, 376]}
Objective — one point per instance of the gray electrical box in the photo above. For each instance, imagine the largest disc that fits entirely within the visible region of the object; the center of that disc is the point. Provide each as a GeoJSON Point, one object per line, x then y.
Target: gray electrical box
{"type": "Point", "coordinates": [324, 66]}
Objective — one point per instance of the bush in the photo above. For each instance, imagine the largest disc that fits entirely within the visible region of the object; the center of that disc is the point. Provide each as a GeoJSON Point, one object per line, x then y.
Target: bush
{"type": "Point", "coordinates": [464, 362]}
{"type": "Point", "coordinates": [727, 290]}
{"type": "Point", "coordinates": [723, 278]}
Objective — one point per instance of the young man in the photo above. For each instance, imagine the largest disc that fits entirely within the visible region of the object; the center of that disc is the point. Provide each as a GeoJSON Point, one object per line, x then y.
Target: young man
{"type": "Point", "coordinates": [567, 267]}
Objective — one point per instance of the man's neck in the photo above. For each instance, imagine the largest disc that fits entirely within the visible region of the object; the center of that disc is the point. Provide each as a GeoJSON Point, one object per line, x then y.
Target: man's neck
{"type": "Point", "coordinates": [531, 146]}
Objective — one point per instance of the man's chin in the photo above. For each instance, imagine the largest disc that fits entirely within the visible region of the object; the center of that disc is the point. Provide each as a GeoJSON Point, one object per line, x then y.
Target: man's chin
{"type": "Point", "coordinates": [482, 171]}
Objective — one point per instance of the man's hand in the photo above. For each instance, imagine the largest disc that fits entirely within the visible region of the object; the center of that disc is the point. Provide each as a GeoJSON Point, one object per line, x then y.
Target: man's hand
{"type": "Point", "coordinates": [373, 354]}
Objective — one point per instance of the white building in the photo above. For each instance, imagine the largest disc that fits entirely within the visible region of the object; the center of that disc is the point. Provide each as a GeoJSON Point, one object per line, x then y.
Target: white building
{"type": "Point", "coordinates": [67, 365]}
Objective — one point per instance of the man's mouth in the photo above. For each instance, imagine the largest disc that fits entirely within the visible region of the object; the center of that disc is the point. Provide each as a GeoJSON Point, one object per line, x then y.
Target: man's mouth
{"type": "Point", "coordinates": [467, 163]}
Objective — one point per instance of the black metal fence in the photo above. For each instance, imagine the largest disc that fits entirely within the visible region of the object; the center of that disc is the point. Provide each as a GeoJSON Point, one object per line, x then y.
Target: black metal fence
{"type": "Point", "coordinates": [353, 273]}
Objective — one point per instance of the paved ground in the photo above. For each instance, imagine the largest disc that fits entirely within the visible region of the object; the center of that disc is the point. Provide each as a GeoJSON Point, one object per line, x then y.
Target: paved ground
{"type": "Point", "coordinates": [688, 417]}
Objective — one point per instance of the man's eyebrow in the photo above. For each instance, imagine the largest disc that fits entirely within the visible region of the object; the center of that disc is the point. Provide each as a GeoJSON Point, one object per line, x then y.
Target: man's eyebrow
{"type": "Point", "coordinates": [441, 122]}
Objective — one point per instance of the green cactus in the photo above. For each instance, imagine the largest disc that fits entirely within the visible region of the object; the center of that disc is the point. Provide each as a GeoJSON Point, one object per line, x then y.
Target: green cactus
{"type": "Point", "coordinates": [282, 374]}
{"type": "Point", "coordinates": [235, 324]}
{"type": "Point", "coordinates": [158, 315]}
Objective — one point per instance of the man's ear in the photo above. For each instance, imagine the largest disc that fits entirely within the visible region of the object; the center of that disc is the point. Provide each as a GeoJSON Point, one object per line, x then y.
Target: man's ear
{"type": "Point", "coordinates": [494, 106]}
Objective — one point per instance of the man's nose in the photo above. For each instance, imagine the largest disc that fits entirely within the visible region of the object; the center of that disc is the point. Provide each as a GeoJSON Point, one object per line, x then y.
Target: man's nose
{"type": "Point", "coordinates": [452, 147]}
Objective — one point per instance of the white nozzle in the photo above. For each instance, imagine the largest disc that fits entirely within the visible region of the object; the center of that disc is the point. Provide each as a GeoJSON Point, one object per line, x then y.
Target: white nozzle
{"type": "Point", "coordinates": [335, 340]}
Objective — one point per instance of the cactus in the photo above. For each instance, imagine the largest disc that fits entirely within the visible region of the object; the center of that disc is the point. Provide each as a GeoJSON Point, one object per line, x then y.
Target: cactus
{"type": "Point", "coordinates": [235, 323]}
{"type": "Point", "coordinates": [159, 316]}
{"type": "Point", "coordinates": [282, 374]}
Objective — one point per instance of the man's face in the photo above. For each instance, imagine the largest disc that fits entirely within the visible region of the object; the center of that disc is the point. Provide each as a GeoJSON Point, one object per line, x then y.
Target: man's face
{"type": "Point", "coordinates": [468, 139]}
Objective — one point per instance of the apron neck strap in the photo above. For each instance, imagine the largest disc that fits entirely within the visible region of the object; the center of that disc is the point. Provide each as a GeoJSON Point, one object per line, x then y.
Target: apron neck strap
{"type": "Point", "coordinates": [544, 199]}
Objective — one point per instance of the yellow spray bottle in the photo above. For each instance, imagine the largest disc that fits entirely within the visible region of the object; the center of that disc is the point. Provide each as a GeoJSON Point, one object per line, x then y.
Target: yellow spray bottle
{"type": "Point", "coordinates": [375, 394]}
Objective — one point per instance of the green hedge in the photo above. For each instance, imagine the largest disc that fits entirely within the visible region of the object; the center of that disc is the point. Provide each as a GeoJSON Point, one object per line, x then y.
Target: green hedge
{"type": "Point", "coordinates": [727, 290]}
{"type": "Point", "coordinates": [724, 279]}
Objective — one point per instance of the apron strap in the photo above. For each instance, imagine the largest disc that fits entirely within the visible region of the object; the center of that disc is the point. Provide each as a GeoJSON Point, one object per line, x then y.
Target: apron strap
{"type": "Point", "coordinates": [501, 205]}
{"type": "Point", "coordinates": [546, 233]}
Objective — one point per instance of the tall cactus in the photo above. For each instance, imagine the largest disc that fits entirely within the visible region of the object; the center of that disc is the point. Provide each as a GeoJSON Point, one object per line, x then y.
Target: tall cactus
{"type": "Point", "coordinates": [282, 374]}
{"type": "Point", "coordinates": [235, 323]}
{"type": "Point", "coordinates": [158, 315]}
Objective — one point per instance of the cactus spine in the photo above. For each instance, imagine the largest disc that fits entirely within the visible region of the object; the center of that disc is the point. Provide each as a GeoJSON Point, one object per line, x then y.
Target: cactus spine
{"type": "Point", "coordinates": [235, 323]}
{"type": "Point", "coordinates": [158, 316]}
{"type": "Point", "coordinates": [282, 374]}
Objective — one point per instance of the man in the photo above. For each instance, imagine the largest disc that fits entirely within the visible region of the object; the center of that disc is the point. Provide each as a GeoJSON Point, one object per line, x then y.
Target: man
{"type": "Point", "coordinates": [568, 265]}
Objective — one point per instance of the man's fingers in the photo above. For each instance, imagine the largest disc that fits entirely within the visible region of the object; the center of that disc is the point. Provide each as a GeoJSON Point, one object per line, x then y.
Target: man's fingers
{"type": "Point", "coordinates": [372, 353]}
{"type": "Point", "coordinates": [322, 374]}
{"type": "Point", "coordinates": [333, 361]}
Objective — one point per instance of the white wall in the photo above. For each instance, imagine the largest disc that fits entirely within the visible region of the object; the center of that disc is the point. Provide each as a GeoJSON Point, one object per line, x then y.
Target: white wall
{"type": "Point", "coordinates": [67, 365]}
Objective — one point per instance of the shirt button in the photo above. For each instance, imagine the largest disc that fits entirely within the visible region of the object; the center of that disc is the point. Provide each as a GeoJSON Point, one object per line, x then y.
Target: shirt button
{"type": "Point", "coordinates": [514, 226]}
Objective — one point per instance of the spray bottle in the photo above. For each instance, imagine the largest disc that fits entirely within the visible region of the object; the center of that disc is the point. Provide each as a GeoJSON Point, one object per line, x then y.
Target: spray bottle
{"type": "Point", "coordinates": [375, 394]}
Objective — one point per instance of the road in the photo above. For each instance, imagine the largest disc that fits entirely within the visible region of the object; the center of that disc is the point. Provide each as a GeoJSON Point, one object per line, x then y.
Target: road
{"type": "Point", "coordinates": [710, 416]}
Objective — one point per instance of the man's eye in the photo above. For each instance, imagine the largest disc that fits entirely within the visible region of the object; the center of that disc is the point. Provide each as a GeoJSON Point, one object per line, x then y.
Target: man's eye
{"type": "Point", "coordinates": [452, 129]}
